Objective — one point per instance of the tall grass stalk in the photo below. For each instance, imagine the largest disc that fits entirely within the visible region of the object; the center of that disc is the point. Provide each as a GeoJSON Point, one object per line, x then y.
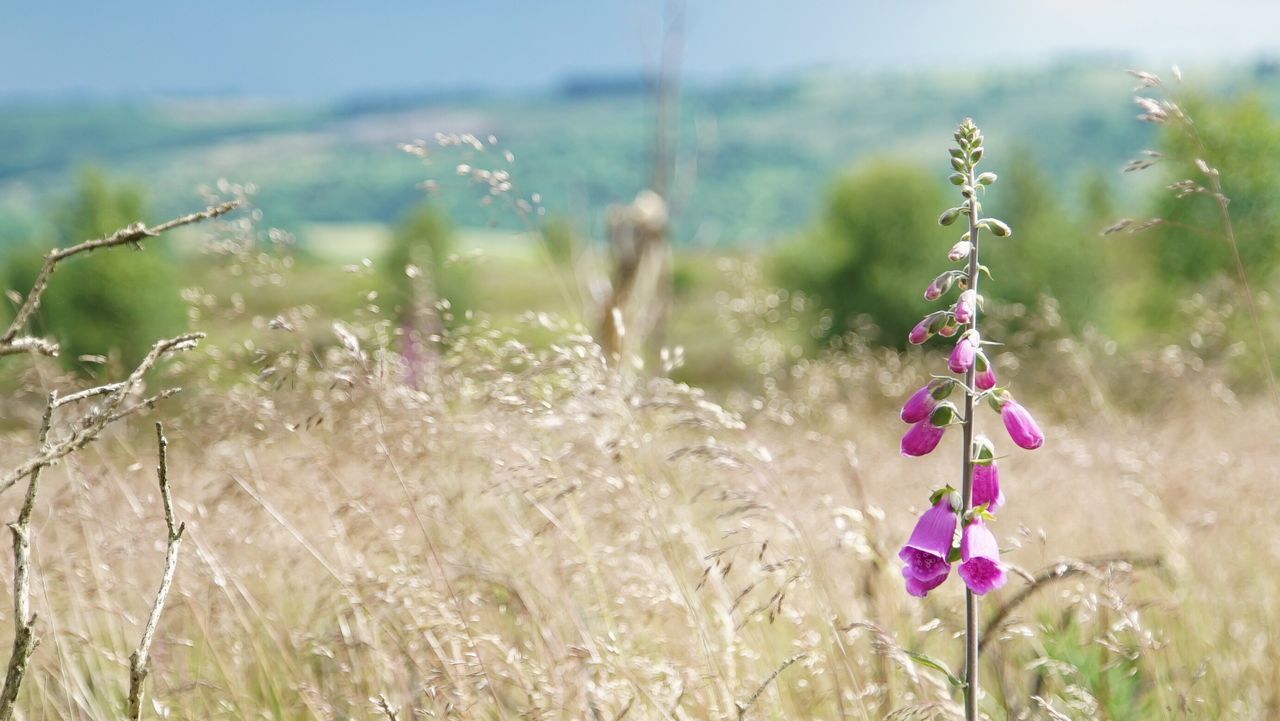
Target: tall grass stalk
{"type": "Point", "coordinates": [1166, 109]}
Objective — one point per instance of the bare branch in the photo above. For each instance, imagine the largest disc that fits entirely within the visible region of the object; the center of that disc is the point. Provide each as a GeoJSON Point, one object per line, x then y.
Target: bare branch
{"type": "Point", "coordinates": [24, 638]}
{"type": "Point", "coordinates": [10, 342]}
{"type": "Point", "coordinates": [94, 421]}
{"type": "Point", "coordinates": [139, 660]}
{"type": "Point", "coordinates": [88, 393]}
{"type": "Point", "coordinates": [112, 407]}
{"type": "Point", "coordinates": [28, 344]}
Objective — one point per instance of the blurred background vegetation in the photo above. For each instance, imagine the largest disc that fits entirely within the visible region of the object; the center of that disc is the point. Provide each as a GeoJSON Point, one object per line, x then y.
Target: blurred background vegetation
{"type": "Point", "coordinates": [831, 183]}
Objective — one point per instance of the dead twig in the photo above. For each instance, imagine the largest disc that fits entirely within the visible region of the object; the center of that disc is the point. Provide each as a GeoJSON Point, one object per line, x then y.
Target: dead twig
{"type": "Point", "coordinates": [114, 401]}
{"type": "Point", "coordinates": [139, 660]}
{"type": "Point", "coordinates": [24, 621]}
{"type": "Point", "coordinates": [11, 342]}
{"type": "Point", "coordinates": [110, 410]}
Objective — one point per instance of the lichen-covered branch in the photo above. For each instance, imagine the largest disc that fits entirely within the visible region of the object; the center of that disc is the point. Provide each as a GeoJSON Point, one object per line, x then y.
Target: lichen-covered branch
{"type": "Point", "coordinates": [111, 409]}
{"type": "Point", "coordinates": [140, 659]}
{"type": "Point", "coordinates": [24, 621]}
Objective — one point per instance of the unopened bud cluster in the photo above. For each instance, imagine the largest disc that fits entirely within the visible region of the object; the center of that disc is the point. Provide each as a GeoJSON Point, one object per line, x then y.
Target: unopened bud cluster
{"type": "Point", "coordinates": [933, 546]}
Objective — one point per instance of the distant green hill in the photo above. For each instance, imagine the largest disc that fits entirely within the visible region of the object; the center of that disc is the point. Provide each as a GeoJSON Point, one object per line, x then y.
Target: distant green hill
{"type": "Point", "coordinates": [755, 160]}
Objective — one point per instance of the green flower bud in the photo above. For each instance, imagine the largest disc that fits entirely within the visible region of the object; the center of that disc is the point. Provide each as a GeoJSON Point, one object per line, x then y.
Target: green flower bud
{"type": "Point", "coordinates": [940, 493]}
{"type": "Point", "coordinates": [949, 216]}
{"type": "Point", "coordinates": [944, 415]}
{"type": "Point", "coordinates": [984, 453]}
{"type": "Point", "coordinates": [998, 227]}
{"type": "Point", "coordinates": [986, 179]}
{"type": "Point", "coordinates": [957, 178]}
{"type": "Point", "coordinates": [997, 398]}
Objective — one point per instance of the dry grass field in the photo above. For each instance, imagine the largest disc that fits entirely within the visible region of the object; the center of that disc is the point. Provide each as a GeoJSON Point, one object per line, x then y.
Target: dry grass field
{"type": "Point", "coordinates": [525, 531]}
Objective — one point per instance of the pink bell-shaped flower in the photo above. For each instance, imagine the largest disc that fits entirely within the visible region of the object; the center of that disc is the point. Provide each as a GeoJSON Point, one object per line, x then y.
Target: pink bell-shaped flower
{"type": "Point", "coordinates": [985, 380]}
{"type": "Point", "coordinates": [1022, 428]}
{"type": "Point", "coordinates": [966, 350]}
{"type": "Point", "coordinates": [927, 553]}
{"type": "Point", "coordinates": [965, 306]}
{"type": "Point", "coordinates": [980, 559]}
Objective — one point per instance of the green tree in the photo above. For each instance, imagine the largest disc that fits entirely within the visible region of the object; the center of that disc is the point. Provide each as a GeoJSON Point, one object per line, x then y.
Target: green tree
{"type": "Point", "coordinates": [874, 248]}
{"type": "Point", "coordinates": [1243, 140]}
{"type": "Point", "coordinates": [102, 303]}
{"type": "Point", "coordinates": [1052, 251]}
{"type": "Point", "coordinates": [560, 240]}
{"type": "Point", "coordinates": [424, 240]}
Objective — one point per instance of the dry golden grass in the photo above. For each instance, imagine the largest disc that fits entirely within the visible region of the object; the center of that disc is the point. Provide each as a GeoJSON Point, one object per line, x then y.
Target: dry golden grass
{"type": "Point", "coordinates": [526, 531]}
{"type": "Point", "coordinates": [532, 534]}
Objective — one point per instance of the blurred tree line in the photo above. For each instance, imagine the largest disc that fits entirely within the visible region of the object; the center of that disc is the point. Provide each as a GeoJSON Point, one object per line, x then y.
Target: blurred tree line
{"type": "Point", "coordinates": [869, 253]}
{"type": "Point", "coordinates": [876, 243]}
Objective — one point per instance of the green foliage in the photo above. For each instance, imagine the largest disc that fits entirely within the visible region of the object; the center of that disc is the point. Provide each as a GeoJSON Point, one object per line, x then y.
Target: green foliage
{"type": "Point", "coordinates": [878, 245]}
{"type": "Point", "coordinates": [108, 302]}
{"type": "Point", "coordinates": [1112, 673]}
{"type": "Point", "coordinates": [424, 240]}
{"type": "Point", "coordinates": [1197, 289]}
{"type": "Point", "coordinates": [1052, 250]}
{"type": "Point", "coordinates": [1243, 140]}
{"type": "Point", "coordinates": [560, 240]}
{"type": "Point", "coordinates": [874, 249]}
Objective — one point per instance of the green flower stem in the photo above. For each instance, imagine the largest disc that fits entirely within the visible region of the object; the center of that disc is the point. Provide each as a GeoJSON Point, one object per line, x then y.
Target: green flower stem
{"type": "Point", "coordinates": [966, 493]}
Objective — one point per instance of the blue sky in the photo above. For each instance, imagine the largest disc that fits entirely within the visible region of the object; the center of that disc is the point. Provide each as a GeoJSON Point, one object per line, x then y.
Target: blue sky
{"type": "Point", "coordinates": [291, 48]}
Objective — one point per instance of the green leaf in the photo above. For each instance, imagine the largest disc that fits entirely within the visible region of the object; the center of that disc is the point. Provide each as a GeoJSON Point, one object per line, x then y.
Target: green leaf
{"type": "Point", "coordinates": [936, 665]}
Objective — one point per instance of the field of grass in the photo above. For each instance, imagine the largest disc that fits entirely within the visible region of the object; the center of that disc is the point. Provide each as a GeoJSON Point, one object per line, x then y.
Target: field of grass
{"type": "Point", "coordinates": [403, 509]}
{"type": "Point", "coordinates": [526, 531]}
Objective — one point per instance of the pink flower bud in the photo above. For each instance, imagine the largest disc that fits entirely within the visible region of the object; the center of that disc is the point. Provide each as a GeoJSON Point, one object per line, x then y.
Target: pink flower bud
{"type": "Point", "coordinates": [922, 438]}
{"type": "Point", "coordinates": [960, 250]}
{"type": "Point", "coordinates": [965, 306]}
{"type": "Point", "coordinates": [1021, 426]}
{"type": "Point", "coordinates": [966, 350]}
{"type": "Point", "coordinates": [926, 553]}
{"type": "Point", "coordinates": [986, 378]}
{"type": "Point", "coordinates": [980, 559]}
{"type": "Point", "coordinates": [986, 486]}
{"type": "Point", "coordinates": [921, 332]}
{"type": "Point", "coordinates": [919, 405]}
{"type": "Point", "coordinates": [940, 285]}
{"type": "Point", "coordinates": [933, 291]}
